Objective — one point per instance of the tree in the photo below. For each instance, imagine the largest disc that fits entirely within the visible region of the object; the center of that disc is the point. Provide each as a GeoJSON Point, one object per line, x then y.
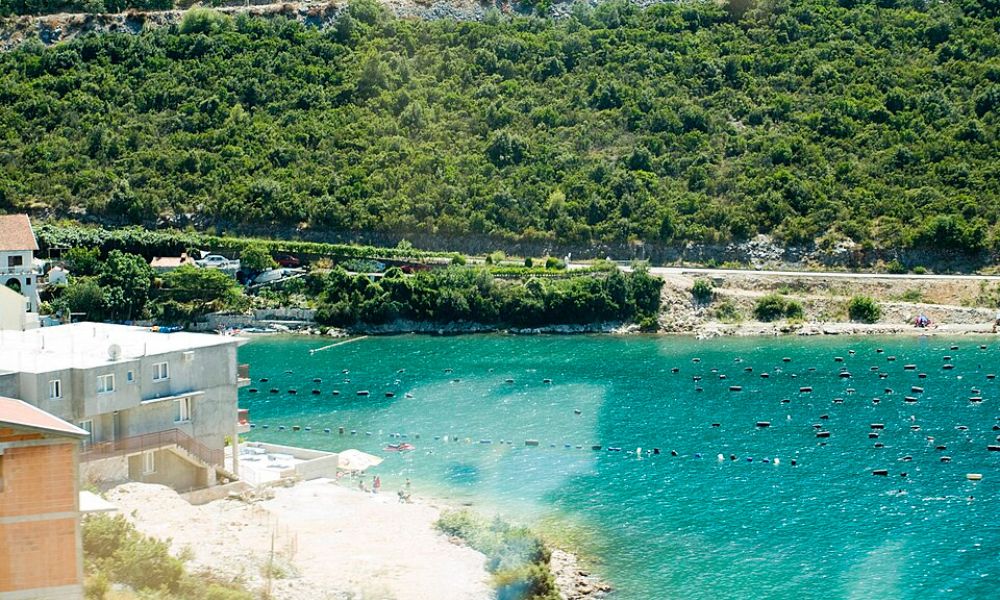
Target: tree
{"type": "Point", "coordinates": [127, 281]}
{"type": "Point", "coordinates": [198, 291]}
{"type": "Point", "coordinates": [82, 295]}
{"type": "Point", "coordinates": [256, 258]}
{"type": "Point", "coordinates": [83, 262]}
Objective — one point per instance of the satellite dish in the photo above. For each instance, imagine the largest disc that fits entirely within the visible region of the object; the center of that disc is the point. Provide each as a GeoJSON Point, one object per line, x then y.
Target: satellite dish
{"type": "Point", "coordinates": [114, 351]}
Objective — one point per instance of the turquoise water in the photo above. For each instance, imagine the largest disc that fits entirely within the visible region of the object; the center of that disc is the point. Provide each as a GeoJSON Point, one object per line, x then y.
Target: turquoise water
{"type": "Point", "coordinates": [664, 526]}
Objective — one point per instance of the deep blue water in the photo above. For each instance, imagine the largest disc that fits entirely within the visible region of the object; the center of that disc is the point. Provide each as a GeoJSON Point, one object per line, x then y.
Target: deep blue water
{"type": "Point", "coordinates": [664, 526]}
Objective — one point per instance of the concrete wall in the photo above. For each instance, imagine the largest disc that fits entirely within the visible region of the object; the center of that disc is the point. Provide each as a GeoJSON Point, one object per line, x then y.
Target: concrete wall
{"type": "Point", "coordinates": [216, 492]}
{"type": "Point", "coordinates": [170, 470]}
{"type": "Point", "coordinates": [13, 309]}
{"type": "Point", "coordinates": [105, 470]}
{"type": "Point", "coordinates": [40, 543]}
{"type": "Point", "coordinates": [318, 467]}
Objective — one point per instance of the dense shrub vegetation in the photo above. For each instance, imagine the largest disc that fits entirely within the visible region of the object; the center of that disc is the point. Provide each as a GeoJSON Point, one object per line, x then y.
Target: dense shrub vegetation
{"type": "Point", "coordinates": [775, 306]}
{"type": "Point", "coordinates": [117, 555]}
{"type": "Point", "coordinates": [473, 294]}
{"type": "Point", "coordinates": [864, 309]}
{"type": "Point", "coordinates": [861, 119]}
{"type": "Point", "coordinates": [44, 7]}
{"type": "Point", "coordinates": [517, 558]}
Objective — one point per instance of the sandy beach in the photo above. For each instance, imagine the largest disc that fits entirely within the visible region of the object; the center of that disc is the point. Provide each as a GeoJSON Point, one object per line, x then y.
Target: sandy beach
{"type": "Point", "coordinates": [329, 542]}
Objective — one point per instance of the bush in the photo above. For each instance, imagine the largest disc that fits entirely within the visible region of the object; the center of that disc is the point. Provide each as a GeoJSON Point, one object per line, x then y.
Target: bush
{"type": "Point", "coordinates": [204, 20]}
{"type": "Point", "coordinates": [703, 291]}
{"type": "Point", "coordinates": [918, 270]}
{"type": "Point", "coordinates": [528, 582]}
{"type": "Point", "coordinates": [775, 306]}
{"type": "Point", "coordinates": [727, 312]}
{"type": "Point", "coordinates": [896, 268]}
{"type": "Point", "coordinates": [864, 309]}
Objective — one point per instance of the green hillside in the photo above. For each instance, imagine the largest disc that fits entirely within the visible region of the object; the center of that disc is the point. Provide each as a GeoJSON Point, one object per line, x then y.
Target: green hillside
{"type": "Point", "coordinates": [874, 121]}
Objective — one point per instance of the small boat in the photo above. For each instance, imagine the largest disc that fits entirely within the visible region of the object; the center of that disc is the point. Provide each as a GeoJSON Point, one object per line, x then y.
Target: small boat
{"type": "Point", "coordinates": [403, 447]}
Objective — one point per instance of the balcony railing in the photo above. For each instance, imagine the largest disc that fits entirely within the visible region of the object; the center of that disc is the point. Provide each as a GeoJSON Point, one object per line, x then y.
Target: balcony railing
{"type": "Point", "coordinates": [152, 441]}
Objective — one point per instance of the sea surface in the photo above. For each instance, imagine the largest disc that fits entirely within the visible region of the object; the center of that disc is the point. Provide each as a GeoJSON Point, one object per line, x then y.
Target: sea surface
{"type": "Point", "coordinates": [721, 511]}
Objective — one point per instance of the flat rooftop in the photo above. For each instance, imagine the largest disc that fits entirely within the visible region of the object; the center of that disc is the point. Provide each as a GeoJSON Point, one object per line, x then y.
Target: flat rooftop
{"type": "Point", "coordinates": [87, 345]}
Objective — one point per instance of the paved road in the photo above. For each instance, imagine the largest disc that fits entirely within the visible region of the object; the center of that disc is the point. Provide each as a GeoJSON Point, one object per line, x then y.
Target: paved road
{"type": "Point", "coordinates": [667, 271]}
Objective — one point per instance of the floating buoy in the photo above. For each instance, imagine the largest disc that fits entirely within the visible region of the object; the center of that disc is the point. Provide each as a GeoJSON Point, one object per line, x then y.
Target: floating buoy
{"type": "Point", "coordinates": [293, 391]}
{"type": "Point", "coordinates": [948, 367]}
{"type": "Point", "coordinates": [838, 400]}
{"type": "Point", "coordinates": [673, 453]}
{"type": "Point", "coordinates": [274, 390]}
{"type": "Point", "coordinates": [595, 447]}
{"type": "Point", "coordinates": [777, 461]}
{"type": "Point", "coordinates": [340, 430]}
{"type": "Point", "coordinates": [252, 390]}
{"type": "Point", "coordinates": [546, 381]}
{"type": "Point", "coordinates": [263, 380]}
{"type": "Point", "coordinates": [838, 359]}
{"type": "Point", "coordinates": [326, 430]}
{"type": "Point", "coordinates": [281, 427]}
{"type": "Point", "coordinates": [675, 370]}
{"type": "Point", "coordinates": [974, 476]}
{"type": "Point", "coordinates": [508, 380]}
{"type": "Point", "coordinates": [317, 380]}
{"type": "Point", "coordinates": [945, 459]}
{"type": "Point", "coordinates": [336, 392]}
{"type": "Point", "coordinates": [722, 376]}
{"type": "Point", "coordinates": [824, 417]}
{"type": "Point", "coordinates": [390, 394]}
{"type": "Point", "coordinates": [316, 392]}
{"type": "Point", "coordinates": [656, 450]}
{"type": "Point", "coordinates": [696, 378]}
{"type": "Point", "coordinates": [880, 445]}
{"type": "Point", "coordinates": [265, 426]}
{"type": "Point", "coordinates": [872, 436]}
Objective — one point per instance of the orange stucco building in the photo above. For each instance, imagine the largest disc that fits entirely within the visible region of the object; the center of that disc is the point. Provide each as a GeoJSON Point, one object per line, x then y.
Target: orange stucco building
{"type": "Point", "coordinates": [40, 546]}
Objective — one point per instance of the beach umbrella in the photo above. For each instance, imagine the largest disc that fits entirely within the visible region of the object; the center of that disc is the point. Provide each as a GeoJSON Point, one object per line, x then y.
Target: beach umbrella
{"type": "Point", "coordinates": [356, 460]}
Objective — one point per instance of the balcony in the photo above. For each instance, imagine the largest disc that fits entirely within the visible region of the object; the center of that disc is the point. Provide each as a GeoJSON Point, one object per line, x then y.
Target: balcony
{"type": "Point", "coordinates": [242, 420]}
{"type": "Point", "coordinates": [242, 375]}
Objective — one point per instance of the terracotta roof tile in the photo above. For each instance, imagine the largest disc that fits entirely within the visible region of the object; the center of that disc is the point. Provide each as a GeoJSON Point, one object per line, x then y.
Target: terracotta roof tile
{"type": "Point", "coordinates": [19, 413]}
{"type": "Point", "coordinates": [16, 233]}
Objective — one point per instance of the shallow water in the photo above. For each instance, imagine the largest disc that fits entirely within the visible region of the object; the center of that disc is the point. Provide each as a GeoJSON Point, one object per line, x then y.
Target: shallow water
{"type": "Point", "coordinates": [684, 526]}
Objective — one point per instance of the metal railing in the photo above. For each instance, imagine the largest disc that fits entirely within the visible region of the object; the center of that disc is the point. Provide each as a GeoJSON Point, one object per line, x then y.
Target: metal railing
{"type": "Point", "coordinates": [151, 441]}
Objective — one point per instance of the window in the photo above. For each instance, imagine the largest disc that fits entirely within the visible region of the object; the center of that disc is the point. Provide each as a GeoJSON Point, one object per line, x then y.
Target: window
{"type": "Point", "coordinates": [182, 410]}
{"type": "Point", "coordinates": [15, 261]}
{"type": "Point", "coordinates": [27, 281]}
{"type": "Point", "coordinates": [105, 383]}
{"type": "Point", "coordinates": [160, 371]}
{"type": "Point", "coordinates": [55, 389]}
{"type": "Point", "coordinates": [88, 426]}
{"type": "Point", "coordinates": [148, 463]}
{"type": "Point", "coordinates": [130, 377]}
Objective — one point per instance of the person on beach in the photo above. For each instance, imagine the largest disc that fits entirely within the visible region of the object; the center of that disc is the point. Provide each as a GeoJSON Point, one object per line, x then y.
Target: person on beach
{"type": "Point", "coordinates": [376, 484]}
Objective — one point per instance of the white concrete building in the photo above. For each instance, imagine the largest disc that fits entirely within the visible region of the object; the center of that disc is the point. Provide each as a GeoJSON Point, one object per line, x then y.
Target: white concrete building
{"type": "Point", "coordinates": [15, 311]}
{"type": "Point", "coordinates": [17, 257]}
{"type": "Point", "coordinates": [159, 407]}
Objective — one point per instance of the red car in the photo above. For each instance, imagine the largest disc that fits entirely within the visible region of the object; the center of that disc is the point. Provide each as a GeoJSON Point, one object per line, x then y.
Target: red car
{"type": "Point", "coordinates": [288, 261]}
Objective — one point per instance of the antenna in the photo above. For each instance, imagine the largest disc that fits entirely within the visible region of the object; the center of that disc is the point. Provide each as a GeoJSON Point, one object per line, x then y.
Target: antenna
{"type": "Point", "coordinates": [114, 351]}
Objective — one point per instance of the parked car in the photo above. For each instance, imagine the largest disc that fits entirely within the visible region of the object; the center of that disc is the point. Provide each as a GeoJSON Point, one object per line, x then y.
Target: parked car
{"type": "Point", "coordinates": [288, 261]}
{"type": "Point", "coordinates": [217, 261]}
